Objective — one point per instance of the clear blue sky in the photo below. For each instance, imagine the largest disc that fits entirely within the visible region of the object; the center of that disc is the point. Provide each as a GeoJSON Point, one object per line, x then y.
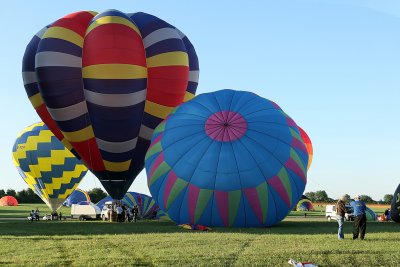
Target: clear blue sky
{"type": "Point", "coordinates": [333, 66]}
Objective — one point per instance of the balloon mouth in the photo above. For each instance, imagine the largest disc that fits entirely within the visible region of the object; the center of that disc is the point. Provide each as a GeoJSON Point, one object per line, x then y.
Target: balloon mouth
{"type": "Point", "coordinates": [225, 126]}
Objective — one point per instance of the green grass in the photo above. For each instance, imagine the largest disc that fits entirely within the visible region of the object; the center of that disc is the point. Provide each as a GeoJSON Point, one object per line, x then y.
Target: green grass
{"type": "Point", "coordinates": [23, 210]}
{"type": "Point", "coordinates": [156, 243]}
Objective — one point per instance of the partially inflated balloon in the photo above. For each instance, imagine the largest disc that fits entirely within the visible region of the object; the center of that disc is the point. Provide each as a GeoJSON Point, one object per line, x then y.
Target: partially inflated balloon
{"type": "Point", "coordinates": [395, 207]}
{"type": "Point", "coordinates": [103, 82]}
{"type": "Point", "coordinates": [77, 196]}
{"type": "Point", "coordinates": [305, 205]}
{"type": "Point", "coordinates": [227, 158]}
{"type": "Point", "coordinates": [307, 142]}
{"type": "Point", "coordinates": [49, 169]}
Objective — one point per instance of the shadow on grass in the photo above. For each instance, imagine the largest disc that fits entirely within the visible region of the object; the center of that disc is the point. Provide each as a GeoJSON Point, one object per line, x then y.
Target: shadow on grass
{"type": "Point", "coordinates": [68, 228]}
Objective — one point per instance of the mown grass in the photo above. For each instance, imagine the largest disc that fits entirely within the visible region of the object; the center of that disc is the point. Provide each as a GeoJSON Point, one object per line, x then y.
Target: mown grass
{"type": "Point", "coordinates": [23, 210]}
{"type": "Point", "coordinates": [153, 243]}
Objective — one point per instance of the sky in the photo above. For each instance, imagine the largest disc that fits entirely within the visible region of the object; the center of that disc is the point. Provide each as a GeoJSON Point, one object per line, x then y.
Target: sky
{"type": "Point", "coordinates": [333, 66]}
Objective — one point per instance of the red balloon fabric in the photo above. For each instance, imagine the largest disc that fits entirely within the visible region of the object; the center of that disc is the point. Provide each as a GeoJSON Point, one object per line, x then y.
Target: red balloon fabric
{"type": "Point", "coordinates": [8, 201]}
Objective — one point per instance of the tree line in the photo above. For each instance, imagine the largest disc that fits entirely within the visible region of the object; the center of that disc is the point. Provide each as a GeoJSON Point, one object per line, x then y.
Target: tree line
{"type": "Point", "coordinates": [322, 196]}
{"type": "Point", "coordinates": [29, 196]}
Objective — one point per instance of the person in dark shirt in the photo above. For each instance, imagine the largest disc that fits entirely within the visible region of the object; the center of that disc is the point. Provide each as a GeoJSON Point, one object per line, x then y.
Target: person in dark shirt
{"type": "Point", "coordinates": [135, 212]}
{"type": "Point", "coordinates": [360, 218]}
{"type": "Point", "coordinates": [340, 212]}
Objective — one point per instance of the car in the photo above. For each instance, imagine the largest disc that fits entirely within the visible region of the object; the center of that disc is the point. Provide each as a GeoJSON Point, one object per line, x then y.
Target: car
{"type": "Point", "coordinates": [85, 210]}
{"type": "Point", "coordinates": [330, 213]}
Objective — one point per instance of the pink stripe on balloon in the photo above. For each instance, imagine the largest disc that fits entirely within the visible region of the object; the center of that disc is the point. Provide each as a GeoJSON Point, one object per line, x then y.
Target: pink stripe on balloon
{"type": "Point", "coordinates": [298, 144]}
{"type": "Point", "coordinates": [226, 126]}
{"type": "Point", "coordinates": [156, 163]}
{"type": "Point", "coordinates": [155, 141]}
{"type": "Point", "coordinates": [193, 195]}
{"type": "Point", "coordinates": [254, 200]}
{"type": "Point", "coordinates": [277, 185]}
{"type": "Point", "coordinates": [223, 206]}
{"type": "Point", "coordinates": [291, 122]}
{"type": "Point", "coordinates": [171, 179]}
{"type": "Point", "coordinates": [293, 166]}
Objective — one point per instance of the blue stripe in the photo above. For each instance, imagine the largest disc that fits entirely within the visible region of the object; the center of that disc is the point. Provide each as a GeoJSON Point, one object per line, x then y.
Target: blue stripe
{"type": "Point", "coordinates": [168, 45]}
{"type": "Point", "coordinates": [117, 157]}
{"type": "Point", "coordinates": [124, 121]}
{"type": "Point", "coordinates": [31, 89]}
{"type": "Point", "coordinates": [75, 124]}
{"type": "Point", "coordinates": [111, 12]}
{"type": "Point", "coordinates": [191, 87]}
{"type": "Point", "coordinates": [115, 86]}
{"type": "Point", "coordinates": [193, 60]}
{"type": "Point", "coordinates": [59, 45]}
{"type": "Point", "coordinates": [150, 121]}
{"type": "Point", "coordinates": [58, 73]}
{"type": "Point", "coordinates": [148, 23]}
{"type": "Point", "coordinates": [65, 187]}
{"type": "Point", "coordinates": [28, 61]}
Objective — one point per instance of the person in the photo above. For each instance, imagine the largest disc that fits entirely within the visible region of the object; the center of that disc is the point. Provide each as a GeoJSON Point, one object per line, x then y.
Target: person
{"type": "Point", "coordinates": [340, 212]}
{"type": "Point", "coordinates": [135, 212]}
{"type": "Point", "coordinates": [32, 217]}
{"type": "Point", "coordinates": [119, 214]}
{"type": "Point", "coordinates": [60, 216]}
{"type": "Point", "coordinates": [37, 214]}
{"type": "Point", "coordinates": [360, 218]}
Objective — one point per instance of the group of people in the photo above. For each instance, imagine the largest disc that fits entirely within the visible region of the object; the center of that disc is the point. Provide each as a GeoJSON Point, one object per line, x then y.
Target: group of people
{"type": "Point", "coordinates": [125, 214]}
{"type": "Point", "coordinates": [34, 215]}
{"type": "Point", "coordinates": [359, 213]}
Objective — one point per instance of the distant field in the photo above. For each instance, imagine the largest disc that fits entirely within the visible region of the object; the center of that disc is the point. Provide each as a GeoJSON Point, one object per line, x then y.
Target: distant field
{"type": "Point", "coordinates": [153, 243]}
{"type": "Point", "coordinates": [23, 210]}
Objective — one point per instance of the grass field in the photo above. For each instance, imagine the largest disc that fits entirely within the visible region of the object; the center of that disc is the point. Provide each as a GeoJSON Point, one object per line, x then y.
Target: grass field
{"type": "Point", "coordinates": [153, 243]}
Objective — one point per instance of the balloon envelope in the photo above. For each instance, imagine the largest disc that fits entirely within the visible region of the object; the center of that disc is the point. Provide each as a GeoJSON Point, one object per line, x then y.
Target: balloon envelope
{"type": "Point", "coordinates": [103, 82]}
{"type": "Point", "coordinates": [395, 206]}
{"type": "Point", "coordinates": [8, 201]}
{"type": "Point", "coordinates": [49, 169]}
{"type": "Point", "coordinates": [370, 214]}
{"type": "Point", "coordinates": [227, 158]}
{"type": "Point", "coordinates": [77, 196]}
{"type": "Point", "coordinates": [305, 205]}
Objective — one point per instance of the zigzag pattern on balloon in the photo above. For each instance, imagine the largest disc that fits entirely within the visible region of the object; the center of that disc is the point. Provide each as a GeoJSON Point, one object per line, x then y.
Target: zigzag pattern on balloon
{"type": "Point", "coordinates": [45, 164]}
{"type": "Point", "coordinates": [284, 187]}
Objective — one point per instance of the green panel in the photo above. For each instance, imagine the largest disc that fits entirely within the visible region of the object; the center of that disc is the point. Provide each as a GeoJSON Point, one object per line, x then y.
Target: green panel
{"type": "Point", "coordinates": [284, 177]}
{"type": "Point", "coordinates": [262, 191]}
{"type": "Point", "coordinates": [234, 201]}
{"type": "Point", "coordinates": [162, 169]}
{"type": "Point", "coordinates": [202, 201]}
{"type": "Point", "coordinates": [153, 150]}
{"type": "Point", "coordinates": [176, 189]}
{"type": "Point", "coordinates": [296, 158]}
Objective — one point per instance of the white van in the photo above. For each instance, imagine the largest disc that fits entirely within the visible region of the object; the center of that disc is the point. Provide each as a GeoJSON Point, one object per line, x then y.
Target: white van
{"type": "Point", "coordinates": [85, 211]}
{"type": "Point", "coordinates": [330, 213]}
{"type": "Point", "coordinates": [108, 206]}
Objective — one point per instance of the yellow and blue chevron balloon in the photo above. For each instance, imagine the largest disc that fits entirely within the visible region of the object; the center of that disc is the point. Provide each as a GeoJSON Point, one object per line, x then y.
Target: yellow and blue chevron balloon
{"type": "Point", "coordinates": [49, 168]}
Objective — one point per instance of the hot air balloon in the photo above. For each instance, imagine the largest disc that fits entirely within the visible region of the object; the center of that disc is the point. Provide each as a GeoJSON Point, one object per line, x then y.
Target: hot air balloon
{"type": "Point", "coordinates": [370, 214]}
{"type": "Point", "coordinates": [8, 201]}
{"type": "Point", "coordinates": [228, 158]}
{"type": "Point", "coordinates": [146, 205]}
{"type": "Point", "coordinates": [103, 82]}
{"type": "Point", "coordinates": [305, 205]}
{"type": "Point", "coordinates": [307, 142]}
{"type": "Point", "coordinates": [77, 196]}
{"type": "Point", "coordinates": [49, 168]}
{"type": "Point", "coordinates": [395, 206]}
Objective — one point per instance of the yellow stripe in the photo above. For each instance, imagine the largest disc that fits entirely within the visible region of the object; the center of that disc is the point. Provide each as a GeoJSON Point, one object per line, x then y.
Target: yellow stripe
{"type": "Point", "coordinates": [93, 13]}
{"type": "Point", "coordinates": [80, 135]}
{"type": "Point", "coordinates": [66, 144]}
{"type": "Point", "coordinates": [64, 34]}
{"type": "Point", "coordinates": [188, 96]}
{"type": "Point", "coordinates": [112, 19]}
{"type": "Point", "coordinates": [177, 58]}
{"type": "Point", "coordinates": [114, 71]}
{"type": "Point", "coordinates": [36, 100]}
{"type": "Point", "coordinates": [157, 110]}
{"type": "Point", "coordinates": [117, 166]}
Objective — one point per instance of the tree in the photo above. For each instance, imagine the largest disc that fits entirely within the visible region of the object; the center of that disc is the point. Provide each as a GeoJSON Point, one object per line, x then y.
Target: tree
{"type": "Point", "coordinates": [387, 199]}
{"type": "Point", "coordinates": [11, 192]}
{"type": "Point", "coordinates": [367, 199]}
{"type": "Point", "coordinates": [321, 196]}
{"type": "Point", "coordinates": [96, 194]}
{"type": "Point", "coordinates": [2, 193]}
{"type": "Point", "coordinates": [310, 196]}
{"type": "Point", "coordinates": [28, 196]}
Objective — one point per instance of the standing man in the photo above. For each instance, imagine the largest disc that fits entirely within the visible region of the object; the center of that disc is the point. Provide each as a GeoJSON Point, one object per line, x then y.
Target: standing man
{"type": "Point", "coordinates": [360, 219]}
{"type": "Point", "coordinates": [135, 212]}
{"type": "Point", "coordinates": [340, 212]}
